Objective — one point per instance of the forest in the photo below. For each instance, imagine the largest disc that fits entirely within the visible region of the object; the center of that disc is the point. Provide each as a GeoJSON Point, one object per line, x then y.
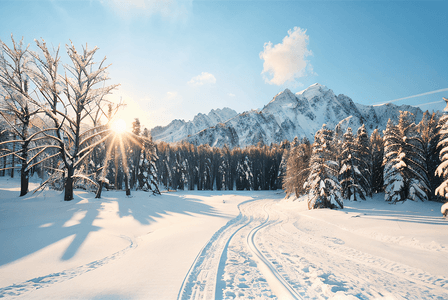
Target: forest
{"type": "Point", "coordinates": [59, 127]}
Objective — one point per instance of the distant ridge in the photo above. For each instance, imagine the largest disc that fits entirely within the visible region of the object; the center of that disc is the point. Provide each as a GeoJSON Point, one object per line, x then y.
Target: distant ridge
{"type": "Point", "coordinates": [286, 116]}
{"type": "Point", "coordinates": [178, 130]}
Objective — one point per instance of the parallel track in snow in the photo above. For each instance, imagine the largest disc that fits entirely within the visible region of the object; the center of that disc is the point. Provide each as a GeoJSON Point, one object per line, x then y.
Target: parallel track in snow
{"type": "Point", "coordinates": [278, 284]}
{"type": "Point", "coordinates": [202, 278]}
{"type": "Point", "coordinates": [205, 278]}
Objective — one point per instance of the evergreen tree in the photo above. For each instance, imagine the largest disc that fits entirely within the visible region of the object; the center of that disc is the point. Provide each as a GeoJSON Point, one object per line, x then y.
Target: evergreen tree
{"type": "Point", "coordinates": [405, 167]}
{"type": "Point", "coordinates": [136, 146]}
{"type": "Point", "coordinates": [364, 160]}
{"type": "Point", "coordinates": [225, 174]}
{"type": "Point", "coordinates": [350, 175]}
{"type": "Point", "coordinates": [415, 158]}
{"type": "Point", "coordinates": [377, 152]}
{"type": "Point", "coordinates": [429, 128]}
{"type": "Point", "coordinates": [147, 169]}
{"type": "Point", "coordinates": [274, 160]}
{"type": "Point", "coordinates": [442, 169]}
{"type": "Point", "coordinates": [244, 173]}
{"type": "Point", "coordinates": [323, 184]}
{"type": "Point", "coordinates": [394, 177]}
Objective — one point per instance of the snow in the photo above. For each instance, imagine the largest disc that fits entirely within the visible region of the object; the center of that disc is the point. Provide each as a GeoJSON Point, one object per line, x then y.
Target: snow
{"type": "Point", "coordinates": [313, 91]}
{"type": "Point", "coordinates": [444, 209]}
{"type": "Point", "coordinates": [217, 245]}
{"type": "Point", "coordinates": [178, 130]}
{"type": "Point", "coordinates": [286, 116]}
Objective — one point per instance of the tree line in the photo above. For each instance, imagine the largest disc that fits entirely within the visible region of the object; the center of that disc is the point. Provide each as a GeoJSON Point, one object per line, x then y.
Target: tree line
{"type": "Point", "coordinates": [408, 161]}
{"type": "Point", "coordinates": [56, 121]}
{"type": "Point", "coordinates": [185, 166]}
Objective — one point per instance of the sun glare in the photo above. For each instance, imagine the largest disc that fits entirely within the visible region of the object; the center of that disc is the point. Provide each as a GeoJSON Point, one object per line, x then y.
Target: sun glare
{"type": "Point", "coordinates": [119, 126]}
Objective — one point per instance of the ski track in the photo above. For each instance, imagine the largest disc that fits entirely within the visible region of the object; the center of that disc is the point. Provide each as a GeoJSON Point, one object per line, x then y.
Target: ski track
{"type": "Point", "coordinates": [270, 253]}
{"type": "Point", "coordinates": [201, 280]}
{"type": "Point", "coordinates": [20, 289]}
{"type": "Point", "coordinates": [282, 287]}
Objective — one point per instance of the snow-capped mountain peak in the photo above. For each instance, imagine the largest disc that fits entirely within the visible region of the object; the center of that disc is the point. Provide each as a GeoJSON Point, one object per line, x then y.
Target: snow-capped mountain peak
{"type": "Point", "coordinates": [286, 116]}
{"type": "Point", "coordinates": [314, 90]}
{"type": "Point", "coordinates": [178, 130]}
{"type": "Point", "coordinates": [285, 99]}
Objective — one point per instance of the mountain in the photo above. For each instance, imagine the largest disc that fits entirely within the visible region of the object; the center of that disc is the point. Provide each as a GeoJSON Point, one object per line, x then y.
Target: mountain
{"type": "Point", "coordinates": [289, 115]}
{"type": "Point", "coordinates": [178, 130]}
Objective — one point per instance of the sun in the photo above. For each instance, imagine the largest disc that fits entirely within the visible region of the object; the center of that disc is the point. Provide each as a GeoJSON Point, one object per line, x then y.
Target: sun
{"type": "Point", "coordinates": [119, 126]}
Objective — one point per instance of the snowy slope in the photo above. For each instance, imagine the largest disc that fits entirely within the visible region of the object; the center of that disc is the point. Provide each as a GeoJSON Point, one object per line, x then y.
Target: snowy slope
{"type": "Point", "coordinates": [109, 248]}
{"type": "Point", "coordinates": [217, 245]}
{"type": "Point", "coordinates": [278, 249]}
{"type": "Point", "coordinates": [179, 129]}
{"type": "Point", "coordinates": [289, 115]}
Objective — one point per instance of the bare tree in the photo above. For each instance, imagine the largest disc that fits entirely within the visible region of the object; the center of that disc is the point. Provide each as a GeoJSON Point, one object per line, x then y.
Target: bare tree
{"type": "Point", "coordinates": [75, 102]}
{"type": "Point", "coordinates": [18, 108]}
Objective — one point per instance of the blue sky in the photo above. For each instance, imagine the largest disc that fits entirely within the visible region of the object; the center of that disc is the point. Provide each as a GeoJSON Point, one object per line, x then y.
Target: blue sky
{"type": "Point", "coordinates": [175, 59]}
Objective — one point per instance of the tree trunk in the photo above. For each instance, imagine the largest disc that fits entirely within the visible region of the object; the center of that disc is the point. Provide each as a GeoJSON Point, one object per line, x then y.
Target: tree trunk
{"type": "Point", "coordinates": [116, 168]}
{"type": "Point", "coordinates": [24, 180]}
{"type": "Point", "coordinates": [12, 157]}
{"type": "Point", "coordinates": [4, 166]}
{"type": "Point", "coordinates": [126, 184]}
{"type": "Point", "coordinates": [100, 189]}
{"type": "Point", "coordinates": [24, 173]}
{"type": "Point", "coordinates": [69, 184]}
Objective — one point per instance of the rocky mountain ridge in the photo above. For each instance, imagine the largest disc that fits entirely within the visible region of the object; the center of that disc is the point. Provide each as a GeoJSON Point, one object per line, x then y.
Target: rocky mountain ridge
{"type": "Point", "coordinates": [286, 116]}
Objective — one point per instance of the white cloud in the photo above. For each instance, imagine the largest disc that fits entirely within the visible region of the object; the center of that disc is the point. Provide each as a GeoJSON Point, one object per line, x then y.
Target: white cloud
{"type": "Point", "coordinates": [202, 79]}
{"type": "Point", "coordinates": [231, 95]}
{"type": "Point", "coordinates": [287, 61]}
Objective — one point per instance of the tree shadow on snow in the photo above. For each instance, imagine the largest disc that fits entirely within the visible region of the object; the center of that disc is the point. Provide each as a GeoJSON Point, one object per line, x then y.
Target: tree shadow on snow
{"type": "Point", "coordinates": [400, 212]}
{"type": "Point", "coordinates": [149, 208]}
{"type": "Point", "coordinates": [33, 222]}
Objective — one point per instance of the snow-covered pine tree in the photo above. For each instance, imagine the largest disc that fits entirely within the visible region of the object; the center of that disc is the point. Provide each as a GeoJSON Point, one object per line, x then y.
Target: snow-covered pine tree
{"type": "Point", "coordinates": [429, 131]}
{"type": "Point", "coordinates": [236, 154]}
{"type": "Point", "coordinates": [364, 159]}
{"type": "Point", "coordinates": [442, 169]}
{"type": "Point", "coordinates": [245, 177]}
{"type": "Point", "coordinates": [134, 153]}
{"type": "Point", "coordinates": [257, 154]}
{"type": "Point", "coordinates": [350, 175]}
{"type": "Point", "coordinates": [188, 164]}
{"type": "Point", "coordinates": [377, 152]}
{"type": "Point", "coordinates": [216, 156]}
{"type": "Point", "coordinates": [224, 173]}
{"type": "Point", "coordinates": [323, 184]}
{"type": "Point", "coordinates": [404, 162]}
{"type": "Point", "coordinates": [205, 176]}
{"type": "Point", "coordinates": [415, 158]}
{"type": "Point", "coordinates": [394, 185]}
{"type": "Point", "coordinates": [147, 170]}
{"type": "Point", "coordinates": [273, 163]}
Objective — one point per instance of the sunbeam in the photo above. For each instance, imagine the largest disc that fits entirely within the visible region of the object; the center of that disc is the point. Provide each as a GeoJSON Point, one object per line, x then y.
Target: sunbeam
{"type": "Point", "coordinates": [119, 126]}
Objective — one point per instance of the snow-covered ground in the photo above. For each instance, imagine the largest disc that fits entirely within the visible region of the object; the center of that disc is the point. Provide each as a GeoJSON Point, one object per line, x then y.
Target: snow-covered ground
{"type": "Point", "coordinates": [217, 245]}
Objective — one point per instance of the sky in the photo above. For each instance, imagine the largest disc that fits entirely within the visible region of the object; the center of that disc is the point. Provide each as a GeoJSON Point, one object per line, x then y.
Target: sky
{"type": "Point", "coordinates": [175, 59]}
